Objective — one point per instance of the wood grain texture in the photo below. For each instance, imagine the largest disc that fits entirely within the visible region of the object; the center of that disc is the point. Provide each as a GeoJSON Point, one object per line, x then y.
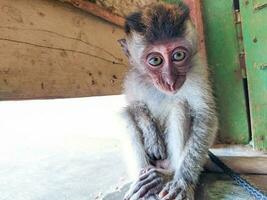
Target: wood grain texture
{"type": "Point", "coordinates": [240, 158]}
{"type": "Point", "coordinates": [49, 49]}
{"type": "Point", "coordinates": [244, 165]}
{"type": "Point", "coordinates": [196, 16]}
{"type": "Point", "coordinates": [121, 7]}
{"type": "Point", "coordinates": [97, 10]}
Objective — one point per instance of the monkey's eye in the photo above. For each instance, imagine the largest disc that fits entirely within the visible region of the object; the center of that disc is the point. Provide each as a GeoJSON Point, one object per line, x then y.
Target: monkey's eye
{"type": "Point", "coordinates": [178, 56]}
{"type": "Point", "coordinates": [155, 61]}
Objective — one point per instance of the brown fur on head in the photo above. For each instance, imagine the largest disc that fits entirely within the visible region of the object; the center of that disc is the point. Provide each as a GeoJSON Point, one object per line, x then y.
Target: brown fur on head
{"type": "Point", "coordinates": [158, 22]}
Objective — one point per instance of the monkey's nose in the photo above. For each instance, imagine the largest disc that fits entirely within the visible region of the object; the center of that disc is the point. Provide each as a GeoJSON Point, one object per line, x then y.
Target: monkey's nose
{"type": "Point", "coordinates": [171, 82]}
{"type": "Point", "coordinates": [172, 87]}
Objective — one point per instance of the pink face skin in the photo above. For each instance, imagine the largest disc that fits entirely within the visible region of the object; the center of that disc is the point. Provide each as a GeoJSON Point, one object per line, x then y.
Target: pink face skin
{"type": "Point", "coordinates": [167, 63]}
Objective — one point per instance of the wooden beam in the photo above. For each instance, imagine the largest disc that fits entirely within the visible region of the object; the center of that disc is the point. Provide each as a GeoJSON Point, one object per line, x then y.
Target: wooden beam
{"type": "Point", "coordinates": [243, 165]}
{"type": "Point", "coordinates": [242, 159]}
{"type": "Point", "coordinates": [97, 10]}
{"type": "Point", "coordinates": [196, 16]}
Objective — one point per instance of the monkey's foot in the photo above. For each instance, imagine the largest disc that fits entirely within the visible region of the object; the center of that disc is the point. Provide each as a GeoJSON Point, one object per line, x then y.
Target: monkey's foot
{"type": "Point", "coordinates": [177, 190]}
{"type": "Point", "coordinates": [157, 150]}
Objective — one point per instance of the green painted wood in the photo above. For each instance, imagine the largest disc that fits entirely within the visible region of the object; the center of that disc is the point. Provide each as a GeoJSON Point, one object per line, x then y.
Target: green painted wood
{"type": "Point", "coordinates": [223, 59]}
{"type": "Point", "coordinates": [254, 28]}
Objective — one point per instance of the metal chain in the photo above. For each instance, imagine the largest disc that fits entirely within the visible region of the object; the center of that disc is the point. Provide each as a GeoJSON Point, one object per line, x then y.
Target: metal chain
{"type": "Point", "coordinates": [252, 190]}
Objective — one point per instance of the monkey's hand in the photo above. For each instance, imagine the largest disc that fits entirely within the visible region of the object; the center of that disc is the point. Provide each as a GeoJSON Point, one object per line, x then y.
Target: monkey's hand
{"type": "Point", "coordinates": [150, 182]}
{"type": "Point", "coordinates": [177, 190]}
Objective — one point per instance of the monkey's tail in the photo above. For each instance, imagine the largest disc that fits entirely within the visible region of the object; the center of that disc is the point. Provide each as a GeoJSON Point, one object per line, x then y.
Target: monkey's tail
{"type": "Point", "coordinates": [252, 190]}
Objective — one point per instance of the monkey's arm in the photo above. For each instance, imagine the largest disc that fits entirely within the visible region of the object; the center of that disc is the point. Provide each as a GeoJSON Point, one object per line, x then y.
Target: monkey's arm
{"type": "Point", "coordinates": [150, 130]}
{"type": "Point", "coordinates": [137, 159]}
{"type": "Point", "coordinates": [146, 145]}
{"type": "Point", "coordinates": [202, 133]}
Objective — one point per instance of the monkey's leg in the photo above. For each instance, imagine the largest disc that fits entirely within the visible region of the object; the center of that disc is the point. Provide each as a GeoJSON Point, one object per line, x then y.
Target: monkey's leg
{"type": "Point", "coordinates": [202, 133]}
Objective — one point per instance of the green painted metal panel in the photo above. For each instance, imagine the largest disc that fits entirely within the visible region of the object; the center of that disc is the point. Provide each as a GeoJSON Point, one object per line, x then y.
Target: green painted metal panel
{"type": "Point", "coordinates": [254, 26]}
{"type": "Point", "coordinates": [223, 59]}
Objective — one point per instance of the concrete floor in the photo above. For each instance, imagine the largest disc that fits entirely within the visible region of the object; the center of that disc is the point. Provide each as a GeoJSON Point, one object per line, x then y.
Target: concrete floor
{"type": "Point", "coordinates": [60, 149]}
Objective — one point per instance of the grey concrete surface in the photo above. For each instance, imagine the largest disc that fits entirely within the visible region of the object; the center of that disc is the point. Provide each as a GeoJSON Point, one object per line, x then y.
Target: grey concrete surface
{"type": "Point", "coordinates": [60, 149]}
{"type": "Point", "coordinates": [117, 194]}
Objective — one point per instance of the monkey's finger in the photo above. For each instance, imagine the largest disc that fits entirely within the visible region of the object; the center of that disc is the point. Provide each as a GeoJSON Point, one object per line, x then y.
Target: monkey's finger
{"type": "Point", "coordinates": [163, 154]}
{"type": "Point", "coordinates": [156, 156]}
{"type": "Point", "coordinates": [154, 153]}
{"type": "Point", "coordinates": [181, 196]}
{"type": "Point", "coordinates": [154, 191]}
{"type": "Point", "coordinates": [144, 189]}
{"type": "Point", "coordinates": [143, 171]}
{"type": "Point", "coordinates": [130, 192]}
{"type": "Point", "coordinates": [143, 176]}
{"type": "Point", "coordinates": [147, 173]}
{"type": "Point", "coordinates": [128, 196]}
{"type": "Point", "coordinates": [171, 195]}
{"type": "Point", "coordinates": [164, 192]}
{"type": "Point", "coordinates": [145, 181]}
{"type": "Point", "coordinates": [152, 156]}
{"type": "Point", "coordinates": [160, 155]}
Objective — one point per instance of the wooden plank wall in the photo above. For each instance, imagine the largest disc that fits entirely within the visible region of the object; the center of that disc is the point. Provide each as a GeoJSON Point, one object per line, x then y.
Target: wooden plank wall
{"type": "Point", "coordinates": [49, 49]}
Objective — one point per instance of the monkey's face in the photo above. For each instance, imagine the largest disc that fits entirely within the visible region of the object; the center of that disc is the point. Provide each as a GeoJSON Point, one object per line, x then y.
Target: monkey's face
{"type": "Point", "coordinates": [167, 63]}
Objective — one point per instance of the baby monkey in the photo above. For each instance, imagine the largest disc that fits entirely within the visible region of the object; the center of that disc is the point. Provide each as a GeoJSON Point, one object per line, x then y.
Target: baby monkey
{"type": "Point", "coordinates": [171, 118]}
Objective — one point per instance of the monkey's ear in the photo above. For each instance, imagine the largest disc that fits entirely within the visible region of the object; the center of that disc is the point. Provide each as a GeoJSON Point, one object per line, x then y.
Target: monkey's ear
{"type": "Point", "coordinates": [124, 46]}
